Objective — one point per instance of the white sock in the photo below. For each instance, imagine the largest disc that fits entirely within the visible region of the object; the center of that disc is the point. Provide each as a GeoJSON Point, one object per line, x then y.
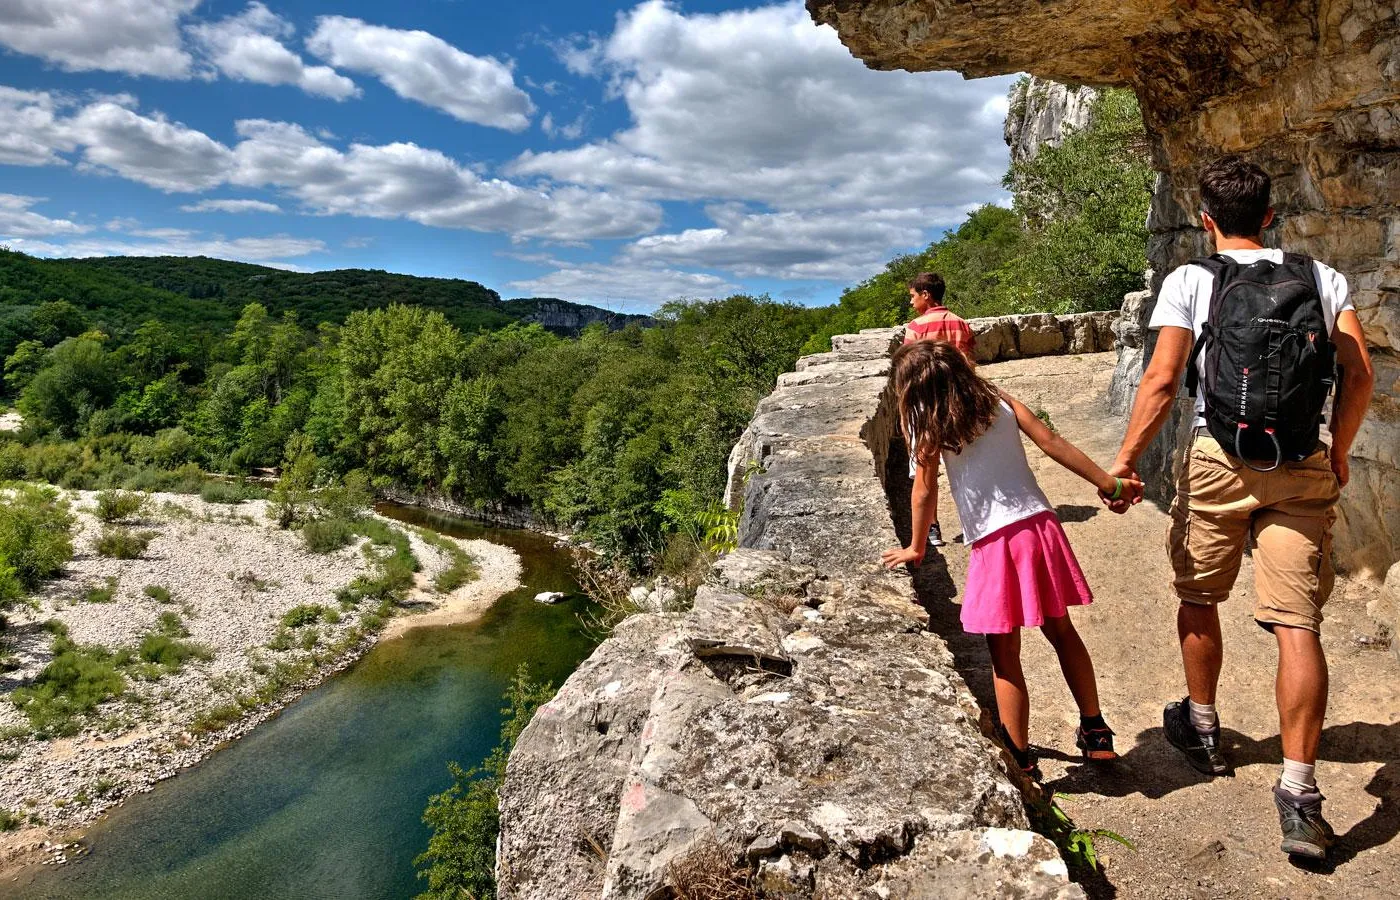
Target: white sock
{"type": "Point", "coordinates": [1203, 717]}
{"type": "Point", "coordinates": [1298, 778]}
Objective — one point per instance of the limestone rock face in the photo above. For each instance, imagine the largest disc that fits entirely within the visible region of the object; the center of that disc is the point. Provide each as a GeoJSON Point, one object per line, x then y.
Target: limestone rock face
{"type": "Point", "coordinates": [1385, 609]}
{"type": "Point", "coordinates": [1308, 89]}
{"type": "Point", "coordinates": [788, 715]}
{"type": "Point", "coordinates": [1041, 112]}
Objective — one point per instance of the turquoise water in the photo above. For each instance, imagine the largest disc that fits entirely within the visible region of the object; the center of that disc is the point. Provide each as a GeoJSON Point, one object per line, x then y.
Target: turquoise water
{"type": "Point", "coordinates": [325, 800]}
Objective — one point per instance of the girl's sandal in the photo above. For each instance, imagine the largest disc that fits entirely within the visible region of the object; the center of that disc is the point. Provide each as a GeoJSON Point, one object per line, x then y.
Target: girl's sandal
{"type": "Point", "coordinates": [1096, 744]}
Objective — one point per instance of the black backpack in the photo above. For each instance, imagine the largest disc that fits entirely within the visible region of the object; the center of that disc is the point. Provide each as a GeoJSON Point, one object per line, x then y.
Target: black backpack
{"type": "Point", "coordinates": [1269, 359]}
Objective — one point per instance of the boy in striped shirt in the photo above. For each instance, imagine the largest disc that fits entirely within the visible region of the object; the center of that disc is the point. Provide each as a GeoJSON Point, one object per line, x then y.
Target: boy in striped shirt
{"type": "Point", "coordinates": [935, 322]}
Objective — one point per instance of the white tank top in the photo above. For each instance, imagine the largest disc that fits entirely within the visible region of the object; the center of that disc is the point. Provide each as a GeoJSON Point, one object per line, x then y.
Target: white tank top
{"type": "Point", "coordinates": [991, 481]}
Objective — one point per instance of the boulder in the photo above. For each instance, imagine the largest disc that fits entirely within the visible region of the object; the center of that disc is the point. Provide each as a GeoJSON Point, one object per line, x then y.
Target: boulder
{"type": "Point", "coordinates": [995, 339]}
{"type": "Point", "coordinates": [550, 596]}
{"type": "Point", "coordinates": [1038, 334]}
{"type": "Point", "coordinates": [1080, 333]}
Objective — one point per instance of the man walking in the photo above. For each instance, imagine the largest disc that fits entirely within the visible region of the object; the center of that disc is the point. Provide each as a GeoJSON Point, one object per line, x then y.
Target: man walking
{"type": "Point", "coordinates": [935, 322]}
{"type": "Point", "coordinates": [1255, 468]}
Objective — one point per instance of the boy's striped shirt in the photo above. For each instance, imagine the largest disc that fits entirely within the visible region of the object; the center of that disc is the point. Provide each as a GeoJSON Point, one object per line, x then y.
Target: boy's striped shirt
{"type": "Point", "coordinates": [940, 324]}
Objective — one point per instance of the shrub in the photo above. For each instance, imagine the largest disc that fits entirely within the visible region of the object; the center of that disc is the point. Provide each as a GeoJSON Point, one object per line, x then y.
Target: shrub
{"type": "Point", "coordinates": [327, 535]}
{"type": "Point", "coordinates": [170, 653]}
{"type": "Point", "coordinates": [123, 543]}
{"type": "Point", "coordinates": [217, 717]}
{"type": "Point", "coordinates": [227, 492]}
{"type": "Point", "coordinates": [118, 506]}
{"type": "Point", "coordinates": [282, 640]}
{"type": "Point", "coordinates": [305, 614]}
{"type": "Point", "coordinates": [10, 821]}
{"type": "Point", "coordinates": [105, 594]}
{"type": "Point", "coordinates": [69, 687]}
{"type": "Point", "coordinates": [170, 623]}
{"type": "Point", "coordinates": [158, 593]}
{"type": "Point", "coordinates": [35, 540]}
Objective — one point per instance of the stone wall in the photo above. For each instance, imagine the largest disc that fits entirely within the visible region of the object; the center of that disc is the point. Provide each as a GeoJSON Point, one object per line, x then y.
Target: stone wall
{"type": "Point", "coordinates": [1309, 89]}
{"type": "Point", "coordinates": [801, 715]}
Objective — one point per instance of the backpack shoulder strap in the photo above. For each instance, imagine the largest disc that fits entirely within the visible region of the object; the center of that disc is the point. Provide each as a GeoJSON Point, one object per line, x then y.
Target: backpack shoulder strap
{"type": "Point", "coordinates": [1218, 266]}
{"type": "Point", "coordinates": [1306, 262]}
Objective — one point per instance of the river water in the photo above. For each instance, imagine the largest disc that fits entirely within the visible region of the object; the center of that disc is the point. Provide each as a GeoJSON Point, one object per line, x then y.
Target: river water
{"type": "Point", "coordinates": [325, 800]}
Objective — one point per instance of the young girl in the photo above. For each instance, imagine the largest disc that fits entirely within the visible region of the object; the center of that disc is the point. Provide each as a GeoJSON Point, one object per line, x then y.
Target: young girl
{"type": "Point", "coordinates": [1021, 572]}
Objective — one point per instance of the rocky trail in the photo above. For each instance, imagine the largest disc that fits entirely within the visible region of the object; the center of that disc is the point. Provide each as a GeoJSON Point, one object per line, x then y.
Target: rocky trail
{"type": "Point", "coordinates": [1194, 837]}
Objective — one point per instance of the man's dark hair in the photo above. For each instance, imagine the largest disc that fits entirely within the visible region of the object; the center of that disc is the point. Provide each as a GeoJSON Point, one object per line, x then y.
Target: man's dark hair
{"type": "Point", "coordinates": [930, 283]}
{"type": "Point", "coordinates": [1236, 194]}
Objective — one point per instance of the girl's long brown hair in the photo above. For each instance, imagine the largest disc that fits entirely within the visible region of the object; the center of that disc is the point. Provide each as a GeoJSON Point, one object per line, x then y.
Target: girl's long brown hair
{"type": "Point", "coordinates": [943, 402]}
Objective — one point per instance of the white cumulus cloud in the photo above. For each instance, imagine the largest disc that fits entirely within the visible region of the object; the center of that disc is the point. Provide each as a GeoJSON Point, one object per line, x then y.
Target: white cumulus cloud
{"type": "Point", "coordinates": [814, 166]}
{"type": "Point", "coordinates": [33, 134]}
{"type": "Point", "coordinates": [18, 220]}
{"type": "Point", "coordinates": [420, 66]}
{"type": "Point", "coordinates": [149, 149]}
{"type": "Point", "coordinates": [269, 250]}
{"type": "Point", "coordinates": [248, 47]}
{"type": "Point", "coordinates": [137, 37]}
{"type": "Point", "coordinates": [232, 206]}
{"type": "Point", "coordinates": [623, 286]}
{"type": "Point", "coordinates": [404, 180]}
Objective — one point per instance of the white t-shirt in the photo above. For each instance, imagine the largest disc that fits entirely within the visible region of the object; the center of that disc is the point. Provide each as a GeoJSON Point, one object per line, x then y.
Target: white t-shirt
{"type": "Point", "coordinates": [991, 482]}
{"type": "Point", "coordinates": [1184, 301]}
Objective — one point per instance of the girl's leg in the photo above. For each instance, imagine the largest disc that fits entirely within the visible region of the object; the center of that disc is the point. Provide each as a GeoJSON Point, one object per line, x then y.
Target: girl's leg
{"type": "Point", "coordinates": [1075, 663]}
{"type": "Point", "coordinates": [1013, 702]}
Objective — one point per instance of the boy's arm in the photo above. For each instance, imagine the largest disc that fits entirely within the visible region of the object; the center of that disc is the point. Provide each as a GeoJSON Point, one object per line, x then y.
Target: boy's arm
{"type": "Point", "coordinates": [1070, 456]}
{"type": "Point", "coordinates": [1358, 380]}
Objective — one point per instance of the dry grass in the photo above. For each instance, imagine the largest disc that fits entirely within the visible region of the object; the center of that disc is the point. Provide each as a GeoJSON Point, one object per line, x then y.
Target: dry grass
{"type": "Point", "coordinates": [709, 871]}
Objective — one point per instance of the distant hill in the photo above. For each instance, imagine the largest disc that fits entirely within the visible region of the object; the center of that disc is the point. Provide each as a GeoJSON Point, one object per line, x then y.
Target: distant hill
{"type": "Point", "coordinates": [123, 291]}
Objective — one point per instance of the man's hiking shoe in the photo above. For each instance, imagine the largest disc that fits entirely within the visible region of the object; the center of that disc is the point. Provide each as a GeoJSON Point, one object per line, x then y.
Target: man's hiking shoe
{"type": "Point", "coordinates": [1023, 758]}
{"type": "Point", "coordinates": [1095, 743]}
{"type": "Point", "coordinates": [935, 535]}
{"type": "Point", "coordinates": [1202, 751]}
{"type": "Point", "coordinates": [1305, 832]}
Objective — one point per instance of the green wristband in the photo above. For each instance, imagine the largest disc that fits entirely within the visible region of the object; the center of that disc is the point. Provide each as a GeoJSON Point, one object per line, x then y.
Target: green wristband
{"type": "Point", "coordinates": [1117, 489]}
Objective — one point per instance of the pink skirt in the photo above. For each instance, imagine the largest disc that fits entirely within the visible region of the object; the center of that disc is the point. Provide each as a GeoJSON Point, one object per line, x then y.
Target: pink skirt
{"type": "Point", "coordinates": [1021, 575]}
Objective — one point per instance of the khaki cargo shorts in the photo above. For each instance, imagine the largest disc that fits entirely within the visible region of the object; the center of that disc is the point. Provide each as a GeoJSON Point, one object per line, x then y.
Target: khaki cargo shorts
{"type": "Point", "coordinates": [1221, 503]}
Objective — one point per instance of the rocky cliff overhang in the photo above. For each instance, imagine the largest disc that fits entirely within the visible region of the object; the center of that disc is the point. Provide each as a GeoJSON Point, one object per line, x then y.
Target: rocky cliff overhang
{"type": "Point", "coordinates": [800, 717]}
{"type": "Point", "coordinates": [1309, 89]}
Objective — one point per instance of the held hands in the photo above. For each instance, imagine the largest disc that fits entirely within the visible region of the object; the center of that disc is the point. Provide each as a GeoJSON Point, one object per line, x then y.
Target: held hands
{"type": "Point", "coordinates": [1127, 489]}
{"type": "Point", "coordinates": [906, 555]}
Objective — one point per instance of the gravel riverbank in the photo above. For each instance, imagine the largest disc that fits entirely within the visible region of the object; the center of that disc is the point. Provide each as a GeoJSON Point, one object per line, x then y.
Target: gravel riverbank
{"type": "Point", "coordinates": [229, 578]}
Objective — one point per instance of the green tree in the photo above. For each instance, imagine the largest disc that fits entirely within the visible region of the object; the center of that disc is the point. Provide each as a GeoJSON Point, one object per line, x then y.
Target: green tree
{"type": "Point", "coordinates": [293, 492]}
{"type": "Point", "coordinates": [1085, 206]}
{"type": "Point", "coordinates": [78, 378]}
{"type": "Point", "coordinates": [460, 861]}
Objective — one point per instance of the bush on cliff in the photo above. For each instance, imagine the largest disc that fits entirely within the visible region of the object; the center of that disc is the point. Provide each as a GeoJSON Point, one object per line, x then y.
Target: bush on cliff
{"type": "Point", "coordinates": [461, 857]}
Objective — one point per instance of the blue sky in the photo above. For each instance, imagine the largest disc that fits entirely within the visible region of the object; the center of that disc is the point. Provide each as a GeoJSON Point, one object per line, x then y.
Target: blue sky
{"type": "Point", "coordinates": [621, 154]}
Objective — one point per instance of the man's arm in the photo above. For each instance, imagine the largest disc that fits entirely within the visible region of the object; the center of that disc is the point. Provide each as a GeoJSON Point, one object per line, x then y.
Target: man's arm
{"type": "Point", "coordinates": [1155, 395]}
{"type": "Point", "coordinates": [1358, 379]}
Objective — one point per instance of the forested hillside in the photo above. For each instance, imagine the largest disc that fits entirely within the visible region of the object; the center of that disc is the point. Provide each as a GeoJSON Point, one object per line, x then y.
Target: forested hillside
{"type": "Point", "coordinates": [120, 292]}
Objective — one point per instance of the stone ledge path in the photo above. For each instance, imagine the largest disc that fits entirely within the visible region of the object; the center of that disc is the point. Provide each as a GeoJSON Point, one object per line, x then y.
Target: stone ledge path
{"type": "Point", "coordinates": [1195, 838]}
